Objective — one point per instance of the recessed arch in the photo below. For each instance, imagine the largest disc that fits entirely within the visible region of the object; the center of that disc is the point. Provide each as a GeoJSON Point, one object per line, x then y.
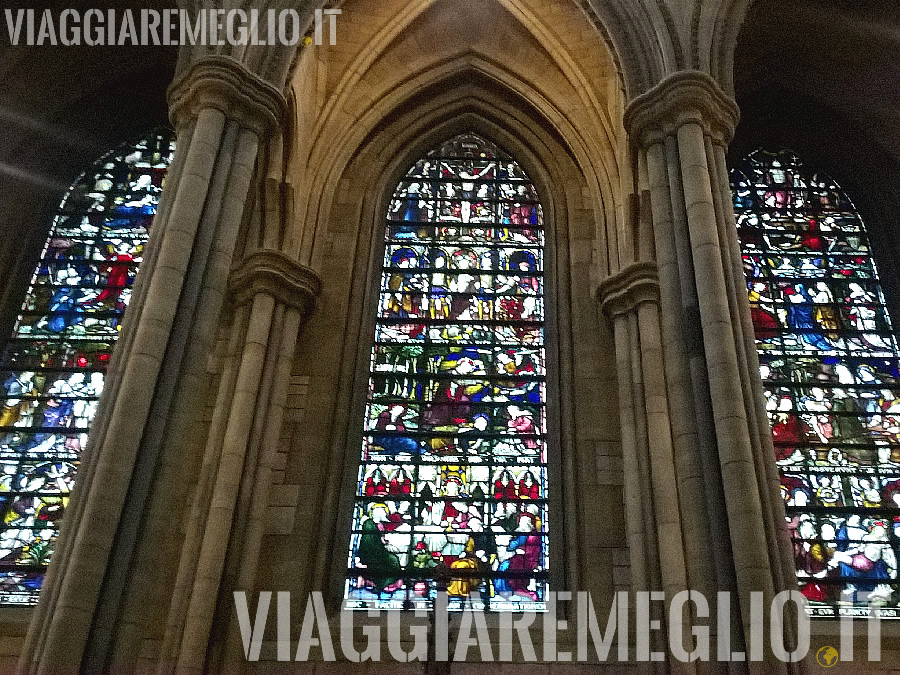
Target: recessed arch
{"type": "Point", "coordinates": [343, 173]}
{"type": "Point", "coordinates": [581, 96]}
{"type": "Point", "coordinates": [353, 189]}
{"type": "Point", "coordinates": [393, 160]}
{"type": "Point", "coordinates": [456, 430]}
{"type": "Point", "coordinates": [532, 17]}
{"type": "Point", "coordinates": [471, 85]}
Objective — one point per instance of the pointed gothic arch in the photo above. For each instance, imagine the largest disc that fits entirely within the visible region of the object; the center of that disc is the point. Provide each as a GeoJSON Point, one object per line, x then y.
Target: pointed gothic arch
{"type": "Point", "coordinates": [453, 472]}
{"type": "Point", "coordinates": [351, 209]}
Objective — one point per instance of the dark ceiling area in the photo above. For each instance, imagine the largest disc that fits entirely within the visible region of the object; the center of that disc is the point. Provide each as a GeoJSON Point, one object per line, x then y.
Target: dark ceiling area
{"type": "Point", "coordinates": [822, 57]}
{"type": "Point", "coordinates": [70, 104]}
{"type": "Point", "coordinates": [822, 77]}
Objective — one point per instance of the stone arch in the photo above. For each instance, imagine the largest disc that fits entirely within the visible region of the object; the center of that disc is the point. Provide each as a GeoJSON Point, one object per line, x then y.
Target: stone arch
{"type": "Point", "coordinates": [342, 222]}
{"type": "Point", "coordinates": [484, 84]}
{"type": "Point", "coordinates": [718, 38]}
{"type": "Point", "coordinates": [654, 38]}
{"type": "Point", "coordinates": [641, 54]}
{"type": "Point", "coordinates": [377, 81]}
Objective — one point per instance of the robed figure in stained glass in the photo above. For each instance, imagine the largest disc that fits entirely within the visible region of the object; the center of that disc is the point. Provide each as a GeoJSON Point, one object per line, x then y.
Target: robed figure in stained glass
{"type": "Point", "coordinates": [456, 403]}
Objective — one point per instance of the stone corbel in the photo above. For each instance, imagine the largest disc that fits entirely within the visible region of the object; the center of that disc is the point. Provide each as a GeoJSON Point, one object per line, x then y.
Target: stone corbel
{"type": "Point", "coordinates": [685, 97]}
{"type": "Point", "coordinates": [623, 292]}
{"type": "Point", "coordinates": [225, 84]}
{"type": "Point", "coordinates": [275, 274]}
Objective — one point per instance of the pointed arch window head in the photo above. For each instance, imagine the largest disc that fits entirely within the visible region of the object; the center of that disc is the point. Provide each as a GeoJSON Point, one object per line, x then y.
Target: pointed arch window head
{"type": "Point", "coordinates": [52, 368]}
{"type": "Point", "coordinates": [452, 483]}
{"type": "Point", "coordinates": [830, 365]}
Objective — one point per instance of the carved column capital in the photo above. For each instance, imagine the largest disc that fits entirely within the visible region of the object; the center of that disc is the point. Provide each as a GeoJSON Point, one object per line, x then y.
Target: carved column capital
{"type": "Point", "coordinates": [225, 84]}
{"type": "Point", "coordinates": [689, 96]}
{"type": "Point", "coordinates": [275, 274]}
{"type": "Point", "coordinates": [623, 292]}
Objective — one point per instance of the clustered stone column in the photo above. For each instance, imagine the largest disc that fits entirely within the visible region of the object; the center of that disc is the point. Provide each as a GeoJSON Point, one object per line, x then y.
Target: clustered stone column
{"type": "Point", "coordinates": [656, 534]}
{"type": "Point", "coordinates": [726, 489]}
{"type": "Point", "coordinates": [88, 609]}
{"type": "Point", "coordinates": [272, 294]}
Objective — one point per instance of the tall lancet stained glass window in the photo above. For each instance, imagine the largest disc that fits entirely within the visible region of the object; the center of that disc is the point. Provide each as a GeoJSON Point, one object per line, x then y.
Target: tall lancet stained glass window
{"type": "Point", "coordinates": [52, 368]}
{"type": "Point", "coordinates": [829, 361]}
{"type": "Point", "coordinates": [453, 478]}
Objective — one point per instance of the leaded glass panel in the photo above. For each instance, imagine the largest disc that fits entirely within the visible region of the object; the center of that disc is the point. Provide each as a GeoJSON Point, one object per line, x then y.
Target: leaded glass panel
{"type": "Point", "coordinates": [829, 362]}
{"type": "Point", "coordinates": [52, 368]}
{"type": "Point", "coordinates": [453, 474]}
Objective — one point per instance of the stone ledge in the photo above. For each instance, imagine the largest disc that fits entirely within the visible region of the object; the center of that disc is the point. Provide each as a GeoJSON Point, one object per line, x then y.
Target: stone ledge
{"type": "Point", "coordinates": [623, 292]}
{"type": "Point", "coordinates": [276, 274]}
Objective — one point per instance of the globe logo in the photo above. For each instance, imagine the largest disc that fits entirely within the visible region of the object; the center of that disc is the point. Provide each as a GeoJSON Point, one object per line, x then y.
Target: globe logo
{"type": "Point", "coordinates": [827, 657]}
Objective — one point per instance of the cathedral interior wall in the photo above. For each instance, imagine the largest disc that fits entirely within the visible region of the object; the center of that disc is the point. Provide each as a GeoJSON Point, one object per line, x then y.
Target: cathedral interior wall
{"type": "Point", "coordinates": [352, 148]}
{"type": "Point", "coordinates": [403, 77]}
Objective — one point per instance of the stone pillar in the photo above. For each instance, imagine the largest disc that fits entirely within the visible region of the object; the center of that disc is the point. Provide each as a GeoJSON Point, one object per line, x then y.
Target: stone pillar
{"type": "Point", "coordinates": [271, 295]}
{"type": "Point", "coordinates": [655, 523]}
{"type": "Point", "coordinates": [221, 112]}
{"type": "Point", "coordinates": [681, 129]}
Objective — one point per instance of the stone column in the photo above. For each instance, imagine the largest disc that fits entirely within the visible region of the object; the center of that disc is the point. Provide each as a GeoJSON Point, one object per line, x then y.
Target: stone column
{"type": "Point", "coordinates": [681, 128]}
{"type": "Point", "coordinates": [221, 111]}
{"type": "Point", "coordinates": [271, 295]}
{"type": "Point", "coordinates": [655, 523]}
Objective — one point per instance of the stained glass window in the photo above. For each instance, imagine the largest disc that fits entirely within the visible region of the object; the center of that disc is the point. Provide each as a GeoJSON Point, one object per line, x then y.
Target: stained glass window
{"type": "Point", "coordinates": [829, 361]}
{"type": "Point", "coordinates": [52, 367]}
{"type": "Point", "coordinates": [453, 478]}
